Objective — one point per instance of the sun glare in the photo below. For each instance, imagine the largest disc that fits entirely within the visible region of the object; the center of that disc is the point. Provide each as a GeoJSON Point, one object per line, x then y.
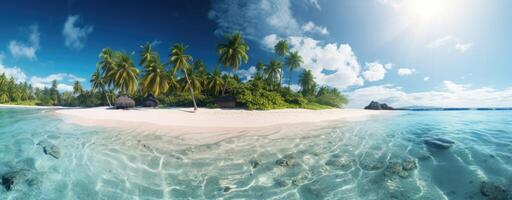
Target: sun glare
{"type": "Point", "coordinates": [426, 10]}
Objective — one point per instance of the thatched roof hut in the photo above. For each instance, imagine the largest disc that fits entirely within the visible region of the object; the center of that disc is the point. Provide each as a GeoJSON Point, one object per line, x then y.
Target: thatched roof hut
{"type": "Point", "coordinates": [150, 101]}
{"type": "Point", "coordinates": [226, 101]}
{"type": "Point", "coordinates": [124, 102]}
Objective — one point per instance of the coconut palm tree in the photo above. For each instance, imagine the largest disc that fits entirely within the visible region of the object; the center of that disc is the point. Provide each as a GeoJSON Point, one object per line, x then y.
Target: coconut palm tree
{"type": "Point", "coordinates": [180, 60]}
{"type": "Point", "coordinates": [307, 83]}
{"type": "Point", "coordinates": [260, 66]}
{"type": "Point", "coordinates": [282, 48]}
{"type": "Point", "coordinates": [215, 82]}
{"type": "Point", "coordinates": [199, 71]}
{"type": "Point", "coordinates": [273, 72]}
{"type": "Point", "coordinates": [106, 65]}
{"type": "Point", "coordinates": [98, 84]}
{"type": "Point", "coordinates": [293, 61]}
{"type": "Point", "coordinates": [77, 88]}
{"type": "Point", "coordinates": [155, 79]}
{"type": "Point", "coordinates": [124, 75]}
{"type": "Point", "coordinates": [145, 54]}
{"type": "Point", "coordinates": [233, 52]}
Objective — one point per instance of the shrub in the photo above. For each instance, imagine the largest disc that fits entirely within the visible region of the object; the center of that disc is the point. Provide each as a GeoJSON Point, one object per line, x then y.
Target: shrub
{"type": "Point", "coordinates": [254, 97]}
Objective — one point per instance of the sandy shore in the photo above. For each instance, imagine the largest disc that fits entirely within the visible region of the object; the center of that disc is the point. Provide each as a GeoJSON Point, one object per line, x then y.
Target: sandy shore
{"type": "Point", "coordinates": [212, 125]}
{"type": "Point", "coordinates": [211, 118]}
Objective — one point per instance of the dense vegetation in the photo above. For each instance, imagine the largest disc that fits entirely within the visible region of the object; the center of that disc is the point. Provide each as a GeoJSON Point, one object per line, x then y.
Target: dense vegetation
{"type": "Point", "coordinates": [182, 81]}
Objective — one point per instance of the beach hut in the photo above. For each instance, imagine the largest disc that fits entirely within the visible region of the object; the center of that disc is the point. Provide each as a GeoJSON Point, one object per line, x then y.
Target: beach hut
{"type": "Point", "coordinates": [124, 102]}
{"type": "Point", "coordinates": [150, 101]}
{"type": "Point", "coordinates": [226, 101]}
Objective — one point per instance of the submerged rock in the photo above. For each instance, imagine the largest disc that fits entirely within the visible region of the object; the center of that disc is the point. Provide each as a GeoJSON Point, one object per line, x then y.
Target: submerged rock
{"type": "Point", "coordinates": [50, 149]}
{"type": "Point", "coordinates": [370, 165]}
{"type": "Point", "coordinates": [301, 178]}
{"type": "Point", "coordinates": [409, 164]}
{"type": "Point", "coordinates": [285, 162]}
{"type": "Point", "coordinates": [494, 191]}
{"type": "Point", "coordinates": [227, 189]}
{"type": "Point", "coordinates": [281, 182]}
{"type": "Point", "coordinates": [10, 179]}
{"type": "Point", "coordinates": [254, 163]}
{"type": "Point", "coordinates": [439, 143]}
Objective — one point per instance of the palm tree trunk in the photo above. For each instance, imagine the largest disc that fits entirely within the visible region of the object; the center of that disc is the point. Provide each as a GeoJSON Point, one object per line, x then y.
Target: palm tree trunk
{"type": "Point", "coordinates": [225, 84]}
{"type": "Point", "coordinates": [106, 96]}
{"type": "Point", "coordinates": [191, 91]}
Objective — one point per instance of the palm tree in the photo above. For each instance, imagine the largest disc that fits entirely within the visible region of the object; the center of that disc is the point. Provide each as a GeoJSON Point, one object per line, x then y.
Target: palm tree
{"type": "Point", "coordinates": [293, 61]}
{"type": "Point", "coordinates": [282, 48]}
{"type": "Point", "coordinates": [215, 82]}
{"type": "Point", "coordinates": [260, 66]}
{"type": "Point", "coordinates": [155, 79]}
{"type": "Point", "coordinates": [307, 83]}
{"type": "Point", "coordinates": [98, 83]}
{"type": "Point", "coordinates": [233, 52]}
{"type": "Point", "coordinates": [145, 54]}
{"type": "Point", "coordinates": [273, 72]}
{"type": "Point", "coordinates": [124, 76]}
{"type": "Point", "coordinates": [180, 61]}
{"type": "Point", "coordinates": [106, 65]}
{"type": "Point", "coordinates": [199, 71]}
{"type": "Point", "coordinates": [77, 88]}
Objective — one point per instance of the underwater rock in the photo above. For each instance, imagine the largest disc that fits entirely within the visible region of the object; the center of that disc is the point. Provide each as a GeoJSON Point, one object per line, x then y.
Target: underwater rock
{"type": "Point", "coordinates": [285, 162]}
{"type": "Point", "coordinates": [339, 163]}
{"type": "Point", "coordinates": [394, 168]}
{"type": "Point", "coordinates": [439, 143]}
{"type": "Point", "coordinates": [50, 149]}
{"type": "Point", "coordinates": [494, 191]}
{"type": "Point", "coordinates": [255, 163]}
{"type": "Point", "coordinates": [10, 179]}
{"type": "Point", "coordinates": [227, 189]}
{"type": "Point", "coordinates": [301, 178]}
{"type": "Point", "coordinates": [409, 164]}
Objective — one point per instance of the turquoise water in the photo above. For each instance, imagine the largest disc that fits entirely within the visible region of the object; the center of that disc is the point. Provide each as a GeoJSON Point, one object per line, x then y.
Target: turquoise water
{"type": "Point", "coordinates": [381, 158]}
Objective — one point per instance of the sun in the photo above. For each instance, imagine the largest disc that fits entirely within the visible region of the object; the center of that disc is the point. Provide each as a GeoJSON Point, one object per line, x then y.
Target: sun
{"type": "Point", "coordinates": [427, 10]}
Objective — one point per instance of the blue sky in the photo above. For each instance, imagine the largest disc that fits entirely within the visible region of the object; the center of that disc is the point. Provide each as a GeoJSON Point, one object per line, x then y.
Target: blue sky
{"type": "Point", "coordinates": [417, 52]}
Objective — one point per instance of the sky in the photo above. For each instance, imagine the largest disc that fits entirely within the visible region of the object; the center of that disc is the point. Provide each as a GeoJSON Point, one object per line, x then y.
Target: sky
{"type": "Point", "coordinates": [449, 53]}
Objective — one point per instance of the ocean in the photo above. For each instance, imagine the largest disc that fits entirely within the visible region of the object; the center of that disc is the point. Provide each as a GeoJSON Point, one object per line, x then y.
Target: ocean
{"type": "Point", "coordinates": [410, 155]}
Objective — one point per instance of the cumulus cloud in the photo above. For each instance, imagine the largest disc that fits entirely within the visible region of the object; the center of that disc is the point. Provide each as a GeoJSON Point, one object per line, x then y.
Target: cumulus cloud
{"type": "Point", "coordinates": [375, 71]}
{"type": "Point", "coordinates": [14, 72]}
{"type": "Point", "coordinates": [26, 49]}
{"type": "Point", "coordinates": [406, 71]}
{"type": "Point", "coordinates": [247, 74]}
{"type": "Point", "coordinates": [311, 27]}
{"type": "Point", "coordinates": [74, 35]}
{"type": "Point", "coordinates": [332, 64]}
{"type": "Point", "coordinates": [63, 78]}
{"type": "Point", "coordinates": [426, 78]}
{"type": "Point", "coordinates": [450, 41]}
{"type": "Point", "coordinates": [315, 3]}
{"type": "Point", "coordinates": [254, 18]}
{"type": "Point", "coordinates": [451, 95]}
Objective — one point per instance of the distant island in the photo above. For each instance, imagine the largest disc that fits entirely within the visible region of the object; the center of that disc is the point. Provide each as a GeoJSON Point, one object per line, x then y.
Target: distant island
{"type": "Point", "coordinates": [374, 105]}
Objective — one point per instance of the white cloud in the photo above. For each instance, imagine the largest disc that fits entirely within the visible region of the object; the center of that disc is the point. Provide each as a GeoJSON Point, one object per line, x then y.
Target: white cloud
{"type": "Point", "coordinates": [293, 87]}
{"type": "Point", "coordinates": [26, 49]}
{"type": "Point", "coordinates": [74, 35]}
{"type": "Point", "coordinates": [14, 72]}
{"type": "Point", "coordinates": [426, 78]}
{"type": "Point", "coordinates": [255, 18]}
{"type": "Point", "coordinates": [247, 74]}
{"type": "Point", "coordinates": [451, 95]}
{"type": "Point", "coordinates": [375, 71]}
{"type": "Point", "coordinates": [331, 64]}
{"type": "Point", "coordinates": [315, 3]}
{"type": "Point", "coordinates": [406, 71]}
{"type": "Point", "coordinates": [313, 28]}
{"type": "Point", "coordinates": [450, 41]}
{"type": "Point", "coordinates": [63, 78]}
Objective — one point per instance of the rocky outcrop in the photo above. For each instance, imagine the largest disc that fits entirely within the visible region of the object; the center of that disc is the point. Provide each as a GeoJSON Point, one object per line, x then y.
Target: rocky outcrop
{"type": "Point", "coordinates": [10, 179]}
{"type": "Point", "coordinates": [378, 106]}
{"type": "Point", "coordinates": [400, 168]}
{"type": "Point", "coordinates": [439, 143]}
{"type": "Point", "coordinates": [286, 161]}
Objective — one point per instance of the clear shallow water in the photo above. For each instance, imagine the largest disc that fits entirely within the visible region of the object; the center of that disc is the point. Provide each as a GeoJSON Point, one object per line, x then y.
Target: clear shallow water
{"type": "Point", "coordinates": [353, 160]}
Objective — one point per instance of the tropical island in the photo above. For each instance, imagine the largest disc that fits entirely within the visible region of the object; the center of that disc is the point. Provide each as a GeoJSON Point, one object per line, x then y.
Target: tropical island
{"type": "Point", "coordinates": [181, 81]}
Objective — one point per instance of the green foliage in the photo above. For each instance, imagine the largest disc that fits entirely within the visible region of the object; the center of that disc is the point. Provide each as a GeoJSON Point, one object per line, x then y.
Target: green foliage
{"type": "Point", "coordinates": [331, 97]}
{"type": "Point", "coordinates": [254, 96]}
{"type": "Point", "coordinates": [293, 98]}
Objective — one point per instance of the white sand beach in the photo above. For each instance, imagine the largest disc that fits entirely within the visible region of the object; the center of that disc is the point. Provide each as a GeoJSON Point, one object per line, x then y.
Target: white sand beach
{"type": "Point", "coordinates": [212, 118]}
{"type": "Point", "coordinates": [25, 106]}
